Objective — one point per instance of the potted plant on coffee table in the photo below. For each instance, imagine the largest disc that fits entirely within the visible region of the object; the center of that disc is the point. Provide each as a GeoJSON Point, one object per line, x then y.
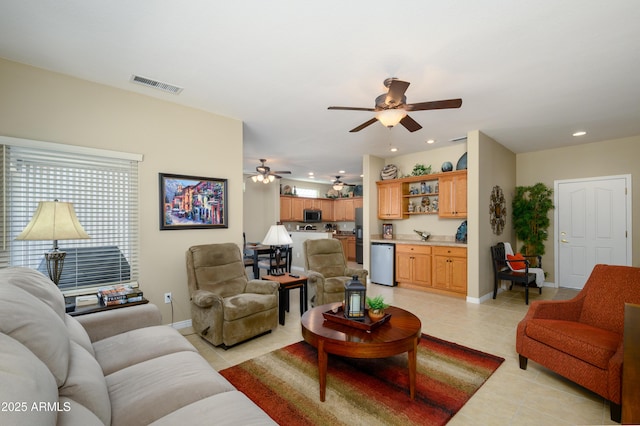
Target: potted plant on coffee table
{"type": "Point", "coordinates": [376, 307]}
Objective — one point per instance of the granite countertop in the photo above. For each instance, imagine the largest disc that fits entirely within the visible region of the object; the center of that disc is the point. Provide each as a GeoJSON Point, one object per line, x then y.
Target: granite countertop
{"type": "Point", "coordinates": [434, 240]}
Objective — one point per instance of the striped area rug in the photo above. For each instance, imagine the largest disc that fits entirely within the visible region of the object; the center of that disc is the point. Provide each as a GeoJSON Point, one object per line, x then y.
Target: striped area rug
{"type": "Point", "coordinates": [284, 383]}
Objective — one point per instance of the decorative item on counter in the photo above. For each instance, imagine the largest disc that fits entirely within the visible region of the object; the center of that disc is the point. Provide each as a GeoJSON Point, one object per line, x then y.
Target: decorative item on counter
{"type": "Point", "coordinates": [390, 171]}
{"type": "Point", "coordinates": [294, 190]}
{"type": "Point", "coordinates": [461, 234]}
{"type": "Point", "coordinates": [376, 307]}
{"type": "Point", "coordinates": [447, 166]}
{"type": "Point", "coordinates": [355, 294]}
{"type": "Point", "coordinates": [424, 235]}
{"type": "Point", "coordinates": [462, 162]}
{"type": "Point", "coordinates": [286, 190]}
{"type": "Point", "coordinates": [387, 231]}
{"type": "Point", "coordinates": [420, 169]}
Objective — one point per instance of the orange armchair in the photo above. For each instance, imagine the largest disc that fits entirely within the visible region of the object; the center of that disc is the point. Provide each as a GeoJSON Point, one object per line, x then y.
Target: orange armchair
{"type": "Point", "coordinates": [581, 338]}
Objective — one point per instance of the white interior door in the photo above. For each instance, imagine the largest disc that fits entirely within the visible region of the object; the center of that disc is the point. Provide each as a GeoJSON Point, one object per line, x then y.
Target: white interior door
{"type": "Point", "coordinates": [594, 223]}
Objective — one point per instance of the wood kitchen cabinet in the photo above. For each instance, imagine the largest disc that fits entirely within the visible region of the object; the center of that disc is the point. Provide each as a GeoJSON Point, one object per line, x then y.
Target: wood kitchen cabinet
{"type": "Point", "coordinates": [291, 209]}
{"type": "Point", "coordinates": [391, 204]}
{"type": "Point", "coordinates": [453, 194]}
{"type": "Point", "coordinates": [351, 249]}
{"type": "Point", "coordinates": [450, 269]}
{"type": "Point", "coordinates": [326, 206]}
{"type": "Point", "coordinates": [285, 209]}
{"type": "Point", "coordinates": [344, 210]}
{"type": "Point", "coordinates": [344, 242]}
{"type": "Point", "coordinates": [413, 266]}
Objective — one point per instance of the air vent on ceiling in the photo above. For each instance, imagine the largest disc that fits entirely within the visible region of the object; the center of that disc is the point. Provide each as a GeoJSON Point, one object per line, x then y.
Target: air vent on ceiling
{"type": "Point", "coordinates": [165, 87]}
{"type": "Point", "coordinates": [458, 139]}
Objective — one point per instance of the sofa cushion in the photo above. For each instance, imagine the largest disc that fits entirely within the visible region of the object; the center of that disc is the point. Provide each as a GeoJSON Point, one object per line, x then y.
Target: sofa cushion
{"type": "Point", "coordinates": [86, 384]}
{"type": "Point", "coordinates": [590, 344]}
{"type": "Point", "coordinates": [34, 324]}
{"type": "Point", "coordinates": [26, 381]}
{"type": "Point", "coordinates": [135, 346]}
{"type": "Point", "coordinates": [245, 304]}
{"type": "Point", "coordinates": [72, 413]}
{"type": "Point", "coordinates": [147, 391]}
{"type": "Point", "coordinates": [78, 334]}
{"type": "Point", "coordinates": [36, 284]}
{"type": "Point", "coordinates": [238, 410]}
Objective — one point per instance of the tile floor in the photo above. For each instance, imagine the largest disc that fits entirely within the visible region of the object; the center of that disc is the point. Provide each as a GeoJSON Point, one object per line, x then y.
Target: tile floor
{"type": "Point", "coordinates": [511, 396]}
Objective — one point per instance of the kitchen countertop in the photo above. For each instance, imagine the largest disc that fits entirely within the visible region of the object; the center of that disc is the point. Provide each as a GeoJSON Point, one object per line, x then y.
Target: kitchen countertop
{"type": "Point", "coordinates": [434, 240]}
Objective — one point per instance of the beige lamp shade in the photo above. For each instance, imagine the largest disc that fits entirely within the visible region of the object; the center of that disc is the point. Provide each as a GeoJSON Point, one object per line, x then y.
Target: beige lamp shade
{"type": "Point", "coordinates": [53, 220]}
{"type": "Point", "coordinates": [277, 236]}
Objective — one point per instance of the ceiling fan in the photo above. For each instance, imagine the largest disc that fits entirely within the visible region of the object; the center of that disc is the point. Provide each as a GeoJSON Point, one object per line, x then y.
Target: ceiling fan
{"type": "Point", "coordinates": [265, 175]}
{"type": "Point", "coordinates": [391, 107]}
{"type": "Point", "coordinates": [338, 184]}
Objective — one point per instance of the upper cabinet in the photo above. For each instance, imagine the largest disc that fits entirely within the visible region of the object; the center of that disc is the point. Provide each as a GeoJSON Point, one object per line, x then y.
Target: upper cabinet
{"type": "Point", "coordinates": [444, 194]}
{"type": "Point", "coordinates": [391, 203]}
{"type": "Point", "coordinates": [333, 210]}
{"type": "Point", "coordinates": [453, 194]}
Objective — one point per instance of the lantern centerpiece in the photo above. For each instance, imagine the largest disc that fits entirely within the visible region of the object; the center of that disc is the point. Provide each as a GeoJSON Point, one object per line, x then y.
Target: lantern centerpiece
{"type": "Point", "coordinates": [355, 294]}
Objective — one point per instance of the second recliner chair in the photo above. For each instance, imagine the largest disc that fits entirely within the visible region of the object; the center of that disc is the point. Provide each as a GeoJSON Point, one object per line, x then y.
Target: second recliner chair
{"type": "Point", "coordinates": [327, 270]}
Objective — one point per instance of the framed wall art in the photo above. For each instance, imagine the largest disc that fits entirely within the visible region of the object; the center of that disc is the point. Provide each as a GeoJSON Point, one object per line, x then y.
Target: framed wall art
{"type": "Point", "coordinates": [192, 202]}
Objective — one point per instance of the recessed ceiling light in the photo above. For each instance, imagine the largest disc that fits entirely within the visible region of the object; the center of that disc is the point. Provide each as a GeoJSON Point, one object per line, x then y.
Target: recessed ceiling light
{"type": "Point", "coordinates": [393, 149]}
{"type": "Point", "coordinates": [580, 133]}
{"type": "Point", "coordinates": [310, 173]}
{"type": "Point", "coordinates": [430, 141]}
{"type": "Point", "coordinates": [342, 172]}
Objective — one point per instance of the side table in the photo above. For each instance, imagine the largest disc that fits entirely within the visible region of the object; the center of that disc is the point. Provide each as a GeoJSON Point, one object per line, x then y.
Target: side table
{"type": "Point", "coordinates": [287, 282]}
{"type": "Point", "coordinates": [99, 307]}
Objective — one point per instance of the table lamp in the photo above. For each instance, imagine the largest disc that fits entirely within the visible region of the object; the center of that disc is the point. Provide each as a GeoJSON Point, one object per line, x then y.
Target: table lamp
{"type": "Point", "coordinates": [277, 236]}
{"type": "Point", "coordinates": [54, 220]}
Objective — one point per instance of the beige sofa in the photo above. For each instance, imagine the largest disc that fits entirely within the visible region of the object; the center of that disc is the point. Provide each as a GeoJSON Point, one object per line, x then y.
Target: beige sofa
{"type": "Point", "coordinates": [118, 367]}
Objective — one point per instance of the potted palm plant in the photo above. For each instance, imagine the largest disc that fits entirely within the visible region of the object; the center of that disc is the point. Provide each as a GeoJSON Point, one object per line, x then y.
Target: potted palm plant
{"type": "Point", "coordinates": [530, 208]}
{"type": "Point", "coordinates": [376, 307]}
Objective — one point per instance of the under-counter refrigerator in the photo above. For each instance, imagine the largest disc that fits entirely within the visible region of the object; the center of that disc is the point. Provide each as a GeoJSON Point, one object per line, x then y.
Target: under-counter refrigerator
{"type": "Point", "coordinates": [383, 263]}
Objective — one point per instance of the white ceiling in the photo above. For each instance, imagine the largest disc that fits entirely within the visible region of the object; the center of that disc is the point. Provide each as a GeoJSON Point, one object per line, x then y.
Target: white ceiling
{"type": "Point", "coordinates": [530, 73]}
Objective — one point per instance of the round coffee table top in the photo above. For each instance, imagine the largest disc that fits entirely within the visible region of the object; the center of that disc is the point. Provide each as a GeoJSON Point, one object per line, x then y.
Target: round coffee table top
{"type": "Point", "coordinates": [391, 337]}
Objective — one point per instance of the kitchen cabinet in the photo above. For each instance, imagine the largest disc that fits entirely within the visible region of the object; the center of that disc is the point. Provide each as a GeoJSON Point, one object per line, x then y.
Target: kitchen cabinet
{"type": "Point", "coordinates": [450, 269]}
{"type": "Point", "coordinates": [391, 204]}
{"type": "Point", "coordinates": [423, 196]}
{"type": "Point", "coordinates": [413, 266]}
{"type": "Point", "coordinates": [312, 204]}
{"type": "Point", "coordinates": [343, 240]}
{"type": "Point", "coordinates": [344, 210]}
{"type": "Point", "coordinates": [453, 194]}
{"type": "Point", "coordinates": [291, 209]}
{"type": "Point", "coordinates": [351, 249]}
{"type": "Point", "coordinates": [326, 205]}
{"type": "Point", "coordinates": [285, 209]}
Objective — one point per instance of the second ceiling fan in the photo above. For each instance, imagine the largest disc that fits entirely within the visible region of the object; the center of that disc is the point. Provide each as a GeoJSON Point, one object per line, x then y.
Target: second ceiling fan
{"type": "Point", "coordinates": [391, 107]}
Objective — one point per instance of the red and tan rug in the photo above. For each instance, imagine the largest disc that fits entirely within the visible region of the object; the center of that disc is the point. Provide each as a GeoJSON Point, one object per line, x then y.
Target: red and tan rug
{"type": "Point", "coordinates": [284, 383]}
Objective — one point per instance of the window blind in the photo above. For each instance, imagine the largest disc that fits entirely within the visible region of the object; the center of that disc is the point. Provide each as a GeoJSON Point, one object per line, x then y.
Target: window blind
{"type": "Point", "coordinates": [104, 193]}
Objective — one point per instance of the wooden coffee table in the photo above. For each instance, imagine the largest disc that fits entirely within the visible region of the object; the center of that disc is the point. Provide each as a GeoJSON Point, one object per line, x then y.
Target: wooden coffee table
{"type": "Point", "coordinates": [400, 334]}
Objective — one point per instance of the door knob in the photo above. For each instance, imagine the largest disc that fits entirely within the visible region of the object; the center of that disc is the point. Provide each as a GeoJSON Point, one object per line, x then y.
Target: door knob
{"type": "Point", "coordinates": [563, 241]}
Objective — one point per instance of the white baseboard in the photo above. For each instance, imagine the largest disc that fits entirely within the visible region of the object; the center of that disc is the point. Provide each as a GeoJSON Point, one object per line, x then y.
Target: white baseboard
{"type": "Point", "coordinates": [181, 324]}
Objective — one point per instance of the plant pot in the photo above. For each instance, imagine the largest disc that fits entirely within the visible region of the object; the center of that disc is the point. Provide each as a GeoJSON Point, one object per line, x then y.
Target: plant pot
{"type": "Point", "coordinates": [376, 315]}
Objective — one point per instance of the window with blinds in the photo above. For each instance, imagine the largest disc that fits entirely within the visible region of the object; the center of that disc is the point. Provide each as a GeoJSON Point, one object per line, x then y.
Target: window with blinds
{"type": "Point", "coordinates": [103, 187]}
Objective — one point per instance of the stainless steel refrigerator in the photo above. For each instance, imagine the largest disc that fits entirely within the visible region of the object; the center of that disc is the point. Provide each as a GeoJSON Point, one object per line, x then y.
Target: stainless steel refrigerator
{"type": "Point", "coordinates": [359, 235]}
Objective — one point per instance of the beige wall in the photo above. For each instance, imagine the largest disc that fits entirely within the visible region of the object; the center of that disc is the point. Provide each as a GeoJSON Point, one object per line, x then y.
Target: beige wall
{"type": "Point", "coordinates": [41, 105]}
{"type": "Point", "coordinates": [492, 165]}
{"type": "Point", "coordinates": [606, 158]}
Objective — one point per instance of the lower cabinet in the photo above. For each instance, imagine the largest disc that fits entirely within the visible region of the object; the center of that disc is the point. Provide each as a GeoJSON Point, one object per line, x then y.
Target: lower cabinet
{"type": "Point", "coordinates": [432, 268]}
{"type": "Point", "coordinates": [450, 269]}
{"type": "Point", "coordinates": [351, 249]}
{"type": "Point", "coordinates": [413, 266]}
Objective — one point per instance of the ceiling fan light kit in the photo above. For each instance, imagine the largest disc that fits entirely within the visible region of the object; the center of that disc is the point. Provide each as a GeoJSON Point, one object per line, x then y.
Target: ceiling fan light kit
{"type": "Point", "coordinates": [265, 175]}
{"type": "Point", "coordinates": [391, 107]}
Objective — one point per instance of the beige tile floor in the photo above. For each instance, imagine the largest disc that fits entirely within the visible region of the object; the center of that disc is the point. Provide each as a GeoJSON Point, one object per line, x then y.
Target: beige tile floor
{"type": "Point", "coordinates": [511, 396]}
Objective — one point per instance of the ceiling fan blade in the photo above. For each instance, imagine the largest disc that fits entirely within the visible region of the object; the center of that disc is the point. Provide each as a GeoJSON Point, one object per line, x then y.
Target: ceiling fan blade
{"type": "Point", "coordinates": [276, 176]}
{"type": "Point", "coordinates": [351, 108]}
{"type": "Point", "coordinates": [363, 125]}
{"type": "Point", "coordinates": [395, 95]}
{"type": "Point", "coordinates": [421, 106]}
{"type": "Point", "coordinates": [411, 124]}
{"type": "Point", "coordinates": [282, 172]}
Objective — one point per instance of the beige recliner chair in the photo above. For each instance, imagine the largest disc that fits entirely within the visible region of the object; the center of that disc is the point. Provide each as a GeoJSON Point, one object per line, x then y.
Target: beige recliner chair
{"type": "Point", "coordinates": [327, 270]}
{"type": "Point", "coordinates": [226, 307]}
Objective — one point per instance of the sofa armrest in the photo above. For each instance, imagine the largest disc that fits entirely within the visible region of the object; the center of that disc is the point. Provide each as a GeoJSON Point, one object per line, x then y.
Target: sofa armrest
{"type": "Point", "coordinates": [614, 383]}
{"type": "Point", "coordinates": [101, 325]}
{"type": "Point", "coordinates": [262, 287]}
{"type": "Point", "coordinates": [314, 277]}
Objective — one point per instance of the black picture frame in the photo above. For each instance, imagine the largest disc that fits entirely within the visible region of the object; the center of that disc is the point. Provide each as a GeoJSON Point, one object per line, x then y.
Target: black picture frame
{"type": "Point", "coordinates": [192, 202]}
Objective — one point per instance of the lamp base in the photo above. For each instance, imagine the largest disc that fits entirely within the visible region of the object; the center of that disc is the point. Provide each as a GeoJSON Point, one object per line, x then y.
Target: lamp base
{"type": "Point", "coordinates": [55, 262]}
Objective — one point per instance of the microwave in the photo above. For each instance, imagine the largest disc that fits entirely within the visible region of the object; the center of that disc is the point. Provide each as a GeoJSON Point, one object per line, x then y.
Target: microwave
{"type": "Point", "coordinates": [312, 216]}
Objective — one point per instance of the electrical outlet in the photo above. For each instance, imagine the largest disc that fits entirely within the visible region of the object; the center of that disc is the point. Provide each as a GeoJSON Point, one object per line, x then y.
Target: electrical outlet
{"type": "Point", "coordinates": [167, 298]}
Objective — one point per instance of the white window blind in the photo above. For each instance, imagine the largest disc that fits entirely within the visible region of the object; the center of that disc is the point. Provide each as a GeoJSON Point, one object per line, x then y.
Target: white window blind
{"type": "Point", "coordinates": [104, 193]}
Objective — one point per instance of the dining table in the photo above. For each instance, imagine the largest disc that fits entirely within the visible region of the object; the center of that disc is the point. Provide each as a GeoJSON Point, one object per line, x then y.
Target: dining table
{"type": "Point", "coordinates": [261, 249]}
